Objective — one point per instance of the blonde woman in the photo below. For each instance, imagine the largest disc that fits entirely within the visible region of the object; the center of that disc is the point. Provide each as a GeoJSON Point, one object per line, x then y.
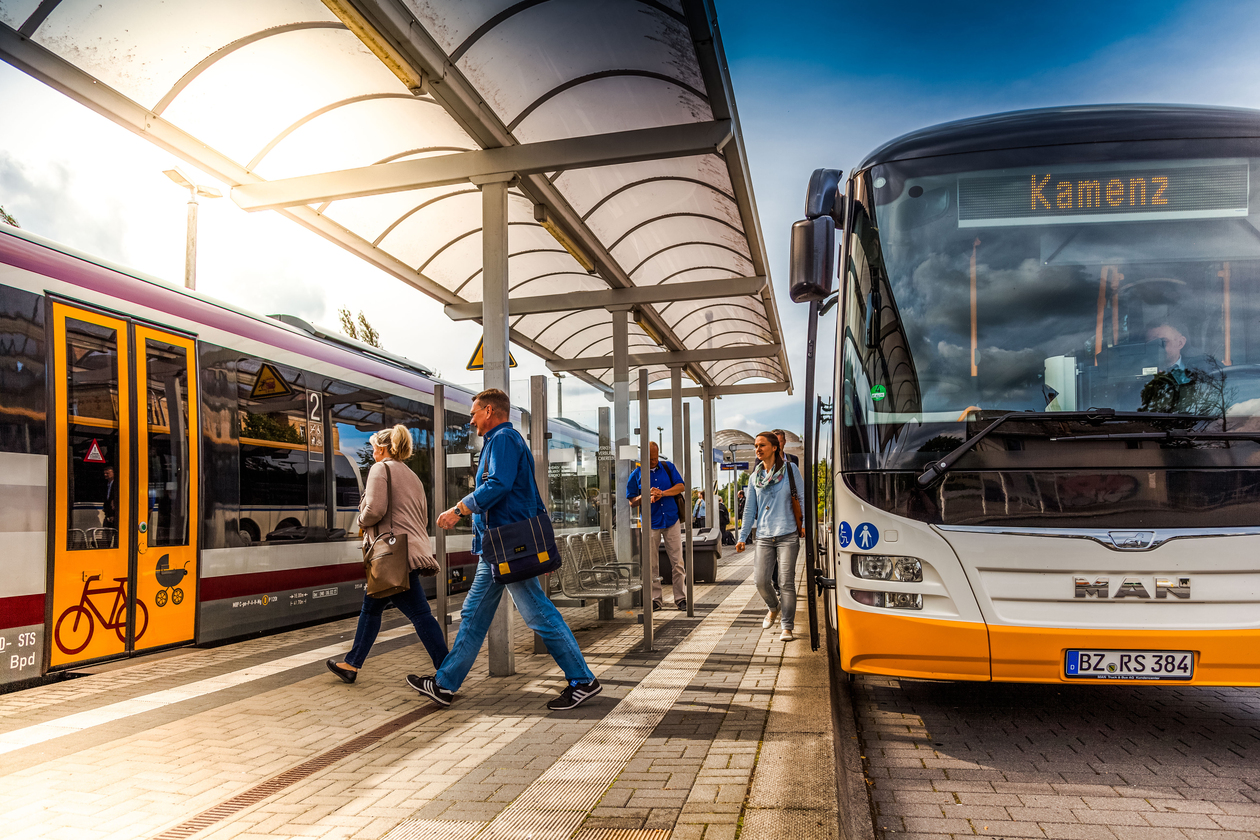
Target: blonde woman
{"type": "Point", "coordinates": [769, 510]}
{"type": "Point", "coordinates": [394, 499]}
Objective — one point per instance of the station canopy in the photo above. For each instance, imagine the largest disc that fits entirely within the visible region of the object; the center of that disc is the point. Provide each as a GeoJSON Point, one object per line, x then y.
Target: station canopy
{"type": "Point", "coordinates": [372, 122]}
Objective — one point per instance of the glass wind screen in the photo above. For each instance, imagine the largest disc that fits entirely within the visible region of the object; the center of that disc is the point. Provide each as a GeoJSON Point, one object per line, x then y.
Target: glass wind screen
{"type": "Point", "coordinates": [1131, 285]}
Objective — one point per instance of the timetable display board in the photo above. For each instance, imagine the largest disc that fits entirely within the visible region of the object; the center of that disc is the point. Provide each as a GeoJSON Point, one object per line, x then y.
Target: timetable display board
{"type": "Point", "coordinates": [1064, 196]}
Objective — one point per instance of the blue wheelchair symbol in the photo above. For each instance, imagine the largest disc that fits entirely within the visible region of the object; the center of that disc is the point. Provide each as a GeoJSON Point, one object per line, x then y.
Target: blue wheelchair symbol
{"type": "Point", "coordinates": [846, 534]}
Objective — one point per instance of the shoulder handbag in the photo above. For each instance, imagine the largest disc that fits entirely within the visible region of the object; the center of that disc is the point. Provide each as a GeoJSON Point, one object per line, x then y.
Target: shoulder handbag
{"type": "Point", "coordinates": [385, 558]}
{"type": "Point", "coordinates": [796, 503]}
{"type": "Point", "coordinates": [682, 503]}
{"type": "Point", "coordinates": [521, 550]}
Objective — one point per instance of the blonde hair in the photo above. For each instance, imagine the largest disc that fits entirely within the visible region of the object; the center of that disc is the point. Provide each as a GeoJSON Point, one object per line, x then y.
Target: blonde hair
{"type": "Point", "coordinates": [395, 441]}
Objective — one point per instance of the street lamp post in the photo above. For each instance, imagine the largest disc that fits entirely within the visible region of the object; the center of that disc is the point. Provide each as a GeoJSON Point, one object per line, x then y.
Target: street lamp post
{"type": "Point", "coordinates": [194, 190]}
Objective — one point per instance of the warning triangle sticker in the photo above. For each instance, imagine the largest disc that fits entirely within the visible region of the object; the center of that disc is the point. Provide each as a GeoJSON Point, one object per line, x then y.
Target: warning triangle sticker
{"type": "Point", "coordinates": [94, 455]}
{"type": "Point", "coordinates": [269, 383]}
{"type": "Point", "coordinates": [478, 360]}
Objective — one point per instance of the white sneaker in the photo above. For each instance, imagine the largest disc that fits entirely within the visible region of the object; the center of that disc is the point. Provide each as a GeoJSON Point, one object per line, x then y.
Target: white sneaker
{"type": "Point", "coordinates": [786, 635]}
{"type": "Point", "coordinates": [771, 617]}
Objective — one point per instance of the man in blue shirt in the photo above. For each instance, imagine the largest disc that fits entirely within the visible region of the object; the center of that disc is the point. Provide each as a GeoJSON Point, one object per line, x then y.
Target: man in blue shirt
{"type": "Point", "coordinates": [505, 493]}
{"type": "Point", "coordinates": [665, 487]}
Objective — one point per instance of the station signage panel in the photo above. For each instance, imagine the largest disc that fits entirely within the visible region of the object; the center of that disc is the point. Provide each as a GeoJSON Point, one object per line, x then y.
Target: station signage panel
{"type": "Point", "coordinates": [1066, 196]}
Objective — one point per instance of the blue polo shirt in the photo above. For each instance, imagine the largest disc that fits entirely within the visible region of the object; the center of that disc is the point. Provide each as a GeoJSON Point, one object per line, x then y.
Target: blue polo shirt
{"type": "Point", "coordinates": [505, 491]}
{"type": "Point", "coordinates": [664, 509]}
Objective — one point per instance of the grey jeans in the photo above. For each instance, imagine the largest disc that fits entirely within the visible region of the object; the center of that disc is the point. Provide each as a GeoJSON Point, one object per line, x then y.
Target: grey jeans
{"type": "Point", "coordinates": [784, 549]}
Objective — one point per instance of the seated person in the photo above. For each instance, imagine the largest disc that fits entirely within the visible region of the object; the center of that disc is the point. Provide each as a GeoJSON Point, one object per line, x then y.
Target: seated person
{"type": "Point", "coordinates": [1174, 339]}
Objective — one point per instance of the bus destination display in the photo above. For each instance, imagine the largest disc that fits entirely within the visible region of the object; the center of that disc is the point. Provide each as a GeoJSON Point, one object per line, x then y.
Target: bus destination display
{"type": "Point", "coordinates": [1066, 197]}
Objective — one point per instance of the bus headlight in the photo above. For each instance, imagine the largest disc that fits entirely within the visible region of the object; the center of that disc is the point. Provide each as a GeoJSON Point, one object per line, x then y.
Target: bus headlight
{"type": "Point", "coordinates": [885, 567]}
{"type": "Point", "coordinates": [888, 600]}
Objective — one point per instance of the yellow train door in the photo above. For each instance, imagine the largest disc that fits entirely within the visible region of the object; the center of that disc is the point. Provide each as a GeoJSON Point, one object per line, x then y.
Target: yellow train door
{"type": "Point", "coordinates": [123, 566]}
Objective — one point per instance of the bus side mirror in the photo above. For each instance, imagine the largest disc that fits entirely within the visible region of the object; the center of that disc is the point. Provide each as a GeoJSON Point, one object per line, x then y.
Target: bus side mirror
{"type": "Point", "coordinates": [813, 249]}
{"type": "Point", "coordinates": [814, 238]}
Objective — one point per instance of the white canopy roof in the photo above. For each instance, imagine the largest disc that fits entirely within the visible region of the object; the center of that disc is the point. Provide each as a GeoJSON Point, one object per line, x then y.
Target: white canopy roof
{"type": "Point", "coordinates": [366, 121]}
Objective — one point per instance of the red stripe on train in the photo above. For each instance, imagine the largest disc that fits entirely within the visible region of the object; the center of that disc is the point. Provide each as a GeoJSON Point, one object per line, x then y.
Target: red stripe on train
{"type": "Point", "coordinates": [261, 583]}
{"type": "Point", "coordinates": [21, 611]}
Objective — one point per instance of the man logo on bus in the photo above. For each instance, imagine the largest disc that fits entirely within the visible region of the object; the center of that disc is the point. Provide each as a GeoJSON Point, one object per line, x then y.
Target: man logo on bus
{"type": "Point", "coordinates": [1131, 587]}
{"type": "Point", "coordinates": [866, 535]}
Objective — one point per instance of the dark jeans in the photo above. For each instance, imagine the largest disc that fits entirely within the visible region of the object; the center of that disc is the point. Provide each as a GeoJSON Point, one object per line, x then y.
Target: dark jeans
{"type": "Point", "coordinates": [412, 604]}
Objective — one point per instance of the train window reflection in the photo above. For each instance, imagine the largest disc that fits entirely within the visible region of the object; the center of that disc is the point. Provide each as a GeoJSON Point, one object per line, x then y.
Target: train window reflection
{"type": "Point", "coordinates": [92, 487]}
{"type": "Point", "coordinates": [166, 368]}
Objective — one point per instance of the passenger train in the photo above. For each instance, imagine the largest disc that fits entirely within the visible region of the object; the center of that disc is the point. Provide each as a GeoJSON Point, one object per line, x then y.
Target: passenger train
{"type": "Point", "coordinates": [1044, 423]}
{"type": "Point", "coordinates": [174, 470]}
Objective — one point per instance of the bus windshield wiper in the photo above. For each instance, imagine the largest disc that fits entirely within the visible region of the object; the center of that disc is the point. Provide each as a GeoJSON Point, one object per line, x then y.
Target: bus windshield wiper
{"type": "Point", "coordinates": [1094, 416]}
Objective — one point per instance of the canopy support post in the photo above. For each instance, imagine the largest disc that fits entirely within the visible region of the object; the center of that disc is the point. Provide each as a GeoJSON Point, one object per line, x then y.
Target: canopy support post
{"type": "Point", "coordinates": [621, 431]}
{"type": "Point", "coordinates": [710, 498]}
{"type": "Point", "coordinates": [494, 278]}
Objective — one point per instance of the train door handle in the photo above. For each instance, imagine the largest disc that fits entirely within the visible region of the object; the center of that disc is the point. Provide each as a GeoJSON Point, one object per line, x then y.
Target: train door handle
{"type": "Point", "coordinates": [823, 582]}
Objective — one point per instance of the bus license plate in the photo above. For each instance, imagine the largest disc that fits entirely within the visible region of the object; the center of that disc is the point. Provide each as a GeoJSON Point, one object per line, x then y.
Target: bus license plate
{"type": "Point", "coordinates": [1129, 665]}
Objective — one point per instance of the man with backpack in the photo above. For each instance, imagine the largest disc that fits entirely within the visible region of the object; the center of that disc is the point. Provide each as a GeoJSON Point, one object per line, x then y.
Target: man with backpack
{"type": "Point", "coordinates": [665, 487]}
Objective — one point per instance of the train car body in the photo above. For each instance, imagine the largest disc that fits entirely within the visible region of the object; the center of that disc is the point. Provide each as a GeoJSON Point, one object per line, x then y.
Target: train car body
{"type": "Point", "coordinates": [175, 470]}
{"type": "Point", "coordinates": [1045, 419]}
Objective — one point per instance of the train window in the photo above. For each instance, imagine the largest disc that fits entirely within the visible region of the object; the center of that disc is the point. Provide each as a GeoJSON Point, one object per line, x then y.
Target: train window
{"type": "Point", "coordinates": [92, 480]}
{"type": "Point", "coordinates": [166, 369]}
{"type": "Point", "coordinates": [22, 384]}
{"type": "Point", "coordinates": [356, 413]}
{"type": "Point", "coordinates": [274, 462]}
{"type": "Point", "coordinates": [461, 443]}
{"type": "Point", "coordinates": [418, 419]}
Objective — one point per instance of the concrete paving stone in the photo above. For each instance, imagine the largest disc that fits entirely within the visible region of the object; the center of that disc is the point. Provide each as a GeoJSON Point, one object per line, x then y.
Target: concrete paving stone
{"type": "Point", "coordinates": [1075, 831]}
{"type": "Point", "coordinates": [939, 825]}
{"type": "Point", "coordinates": [1214, 834]}
{"type": "Point", "coordinates": [1112, 818]}
{"type": "Point", "coordinates": [1235, 823]}
{"type": "Point", "coordinates": [1007, 829]}
{"type": "Point", "coordinates": [1117, 803]}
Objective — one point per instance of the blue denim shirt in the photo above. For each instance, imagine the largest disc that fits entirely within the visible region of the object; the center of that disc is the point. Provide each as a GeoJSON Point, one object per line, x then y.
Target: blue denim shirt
{"type": "Point", "coordinates": [664, 509]}
{"type": "Point", "coordinates": [770, 508]}
{"type": "Point", "coordinates": [507, 492]}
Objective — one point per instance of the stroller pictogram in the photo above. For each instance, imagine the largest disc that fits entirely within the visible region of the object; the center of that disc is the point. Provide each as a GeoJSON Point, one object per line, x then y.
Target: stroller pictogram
{"type": "Point", "coordinates": [169, 579]}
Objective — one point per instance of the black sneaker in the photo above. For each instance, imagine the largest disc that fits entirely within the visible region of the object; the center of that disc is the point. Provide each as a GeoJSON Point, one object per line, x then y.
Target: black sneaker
{"type": "Point", "coordinates": [681, 604]}
{"type": "Point", "coordinates": [574, 695]}
{"type": "Point", "coordinates": [429, 688]}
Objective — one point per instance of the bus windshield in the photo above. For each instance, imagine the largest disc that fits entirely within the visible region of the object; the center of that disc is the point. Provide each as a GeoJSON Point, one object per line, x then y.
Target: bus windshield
{"type": "Point", "coordinates": [1126, 284]}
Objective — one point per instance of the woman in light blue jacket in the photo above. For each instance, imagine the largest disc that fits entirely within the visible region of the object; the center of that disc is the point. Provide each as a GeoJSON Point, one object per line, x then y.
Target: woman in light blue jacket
{"type": "Point", "coordinates": [769, 510]}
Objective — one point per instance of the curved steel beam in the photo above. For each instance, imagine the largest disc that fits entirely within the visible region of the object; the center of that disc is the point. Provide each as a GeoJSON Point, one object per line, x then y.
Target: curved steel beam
{"type": "Point", "coordinates": [652, 180]}
{"type": "Point", "coordinates": [663, 216]}
{"type": "Point", "coordinates": [602, 74]}
{"type": "Point", "coordinates": [460, 238]}
{"type": "Point", "coordinates": [226, 50]}
{"type": "Point", "coordinates": [319, 112]}
{"type": "Point", "coordinates": [477, 273]}
{"type": "Point", "coordinates": [656, 254]}
{"type": "Point", "coordinates": [405, 216]}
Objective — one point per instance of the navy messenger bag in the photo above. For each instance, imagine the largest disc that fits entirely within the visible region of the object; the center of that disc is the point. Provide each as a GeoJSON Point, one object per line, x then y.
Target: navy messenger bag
{"type": "Point", "coordinates": [521, 550]}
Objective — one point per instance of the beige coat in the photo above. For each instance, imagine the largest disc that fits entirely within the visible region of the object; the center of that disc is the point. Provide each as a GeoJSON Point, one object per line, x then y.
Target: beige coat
{"type": "Point", "coordinates": [409, 515]}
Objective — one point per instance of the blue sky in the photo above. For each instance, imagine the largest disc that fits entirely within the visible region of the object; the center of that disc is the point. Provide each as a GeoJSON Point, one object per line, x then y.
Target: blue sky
{"type": "Point", "coordinates": [818, 84]}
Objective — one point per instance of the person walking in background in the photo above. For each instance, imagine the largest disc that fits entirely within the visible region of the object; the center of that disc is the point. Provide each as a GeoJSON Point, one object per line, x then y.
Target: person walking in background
{"type": "Point", "coordinates": [394, 500]}
{"type": "Point", "coordinates": [505, 493]}
{"type": "Point", "coordinates": [782, 436]}
{"type": "Point", "coordinates": [697, 510]}
{"type": "Point", "coordinates": [770, 489]}
{"type": "Point", "coordinates": [664, 487]}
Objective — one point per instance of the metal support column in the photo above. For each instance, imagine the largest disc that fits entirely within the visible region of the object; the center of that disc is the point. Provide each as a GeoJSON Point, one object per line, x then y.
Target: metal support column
{"type": "Point", "coordinates": [494, 284]}
{"type": "Point", "coordinates": [678, 451]}
{"type": "Point", "coordinates": [690, 556]}
{"type": "Point", "coordinates": [607, 606]}
{"type": "Point", "coordinates": [648, 546]}
{"type": "Point", "coordinates": [439, 504]}
{"type": "Point", "coordinates": [710, 497]}
{"type": "Point", "coordinates": [621, 435]}
{"type": "Point", "coordinates": [538, 448]}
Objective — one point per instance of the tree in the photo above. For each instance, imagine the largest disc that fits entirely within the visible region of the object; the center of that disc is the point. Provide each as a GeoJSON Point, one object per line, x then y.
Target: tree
{"type": "Point", "coordinates": [7, 219]}
{"type": "Point", "coordinates": [360, 331]}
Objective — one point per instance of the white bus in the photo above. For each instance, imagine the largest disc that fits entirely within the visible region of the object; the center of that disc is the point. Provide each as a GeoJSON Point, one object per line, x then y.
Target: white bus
{"type": "Point", "coordinates": [1044, 423]}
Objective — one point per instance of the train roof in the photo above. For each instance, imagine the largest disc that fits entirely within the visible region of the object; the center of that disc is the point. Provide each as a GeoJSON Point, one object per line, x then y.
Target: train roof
{"type": "Point", "coordinates": [85, 269]}
{"type": "Point", "coordinates": [1069, 125]}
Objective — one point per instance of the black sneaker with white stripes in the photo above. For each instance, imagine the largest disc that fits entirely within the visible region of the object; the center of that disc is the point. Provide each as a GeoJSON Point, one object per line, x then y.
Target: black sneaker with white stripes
{"type": "Point", "coordinates": [429, 688]}
{"type": "Point", "coordinates": [575, 695]}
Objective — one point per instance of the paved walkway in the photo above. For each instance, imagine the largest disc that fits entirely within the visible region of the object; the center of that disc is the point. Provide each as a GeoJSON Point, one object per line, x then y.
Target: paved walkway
{"type": "Point", "coordinates": [722, 732]}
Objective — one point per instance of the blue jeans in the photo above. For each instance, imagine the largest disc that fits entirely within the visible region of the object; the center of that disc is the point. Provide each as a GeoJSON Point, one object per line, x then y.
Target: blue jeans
{"type": "Point", "coordinates": [766, 551]}
{"type": "Point", "coordinates": [536, 609]}
{"type": "Point", "coordinates": [412, 604]}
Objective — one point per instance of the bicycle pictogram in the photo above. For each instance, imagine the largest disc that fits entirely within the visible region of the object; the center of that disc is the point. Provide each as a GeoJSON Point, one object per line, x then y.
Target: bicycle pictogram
{"type": "Point", "coordinates": [79, 633]}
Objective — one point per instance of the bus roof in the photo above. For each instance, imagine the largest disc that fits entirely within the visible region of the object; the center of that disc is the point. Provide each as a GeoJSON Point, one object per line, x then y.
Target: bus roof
{"type": "Point", "coordinates": [1070, 125]}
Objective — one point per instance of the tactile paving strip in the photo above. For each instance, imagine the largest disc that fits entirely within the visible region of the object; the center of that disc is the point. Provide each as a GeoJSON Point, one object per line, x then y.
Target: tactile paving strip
{"type": "Point", "coordinates": [556, 805]}
{"type": "Point", "coordinates": [624, 834]}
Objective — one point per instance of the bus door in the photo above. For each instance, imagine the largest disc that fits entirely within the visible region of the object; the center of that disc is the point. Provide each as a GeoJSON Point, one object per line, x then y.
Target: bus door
{"type": "Point", "coordinates": [123, 565]}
